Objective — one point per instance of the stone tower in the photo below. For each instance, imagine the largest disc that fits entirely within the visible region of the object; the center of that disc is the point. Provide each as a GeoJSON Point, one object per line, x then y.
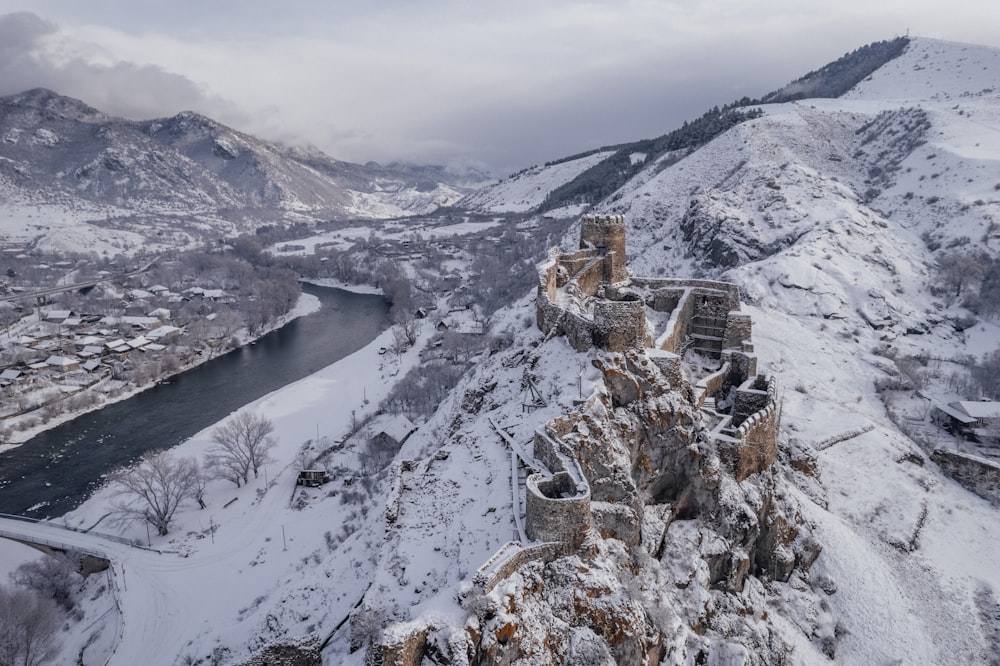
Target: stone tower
{"type": "Point", "coordinates": [606, 233]}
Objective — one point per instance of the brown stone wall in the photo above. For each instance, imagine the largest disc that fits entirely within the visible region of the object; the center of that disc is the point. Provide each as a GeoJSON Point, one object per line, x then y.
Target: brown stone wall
{"type": "Point", "coordinates": [710, 385]}
{"type": "Point", "coordinates": [742, 366]}
{"type": "Point", "coordinates": [607, 231]}
{"type": "Point", "coordinates": [619, 325]}
{"type": "Point", "coordinates": [976, 474]}
{"type": "Point", "coordinates": [488, 577]}
{"type": "Point", "coordinates": [590, 277]}
{"type": "Point", "coordinates": [680, 321]}
{"type": "Point", "coordinates": [752, 396]}
{"type": "Point", "coordinates": [665, 300]}
{"type": "Point", "coordinates": [758, 437]}
{"type": "Point", "coordinates": [732, 291]}
{"type": "Point", "coordinates": [739, 329]}
{"type": "Point", "coordinates": [577, 330]}
{"type": "Point", "coordinates": [556, 509]}
{"type": "Point", "coordinates": [669, 364]}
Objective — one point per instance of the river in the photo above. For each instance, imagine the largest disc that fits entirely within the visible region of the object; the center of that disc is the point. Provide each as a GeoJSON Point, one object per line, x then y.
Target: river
{"type": "Point", "coordinates": [56, 470]}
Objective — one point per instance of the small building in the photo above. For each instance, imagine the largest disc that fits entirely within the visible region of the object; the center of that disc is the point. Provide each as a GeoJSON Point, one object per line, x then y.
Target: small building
{"type": "Point", "coordinates": [90, 351]}
{"type": "Point", "coordinates": [312, 478]}
{"type": "Point", "coordinates": [983, 411]}
{"type": "Point", "coordinates": [63, 363]}
{"type": "Point", "coordinates": [390, 431]}
{"type": "Point", "coordinates": [8, 376]}
{"type": "Point", "coordinates": [58, 316]}
{"type": "Point", "coordinates": [162, 314]}
{"type": "Point", "coordinates": [163, 333]}
{"type": "Point", "coordinates": [974, 420]}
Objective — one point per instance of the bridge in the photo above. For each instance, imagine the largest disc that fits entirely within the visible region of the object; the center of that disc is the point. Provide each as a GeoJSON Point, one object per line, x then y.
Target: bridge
{"type": "Point", "coordinates": [140, 596]}
{"type": "Point", "coordinates": [41, 294]}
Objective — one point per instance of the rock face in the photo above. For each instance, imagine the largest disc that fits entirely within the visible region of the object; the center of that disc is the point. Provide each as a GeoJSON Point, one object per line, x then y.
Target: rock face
{"type": "Point", "coordinates": [672, 565]}
{"type": "Point", "coordinates": [653, 513]}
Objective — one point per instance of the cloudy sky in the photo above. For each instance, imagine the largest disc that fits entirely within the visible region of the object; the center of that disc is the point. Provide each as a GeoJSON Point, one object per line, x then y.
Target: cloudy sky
{"type": "Point", "coordinates": [498, 84]}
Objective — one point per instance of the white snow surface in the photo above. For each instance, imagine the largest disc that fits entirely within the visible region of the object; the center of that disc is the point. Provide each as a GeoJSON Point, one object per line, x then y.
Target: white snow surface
{"type": "Point", "coordinates": [831, 274]}
{"type": "Point", "coordinates": [526, 190]}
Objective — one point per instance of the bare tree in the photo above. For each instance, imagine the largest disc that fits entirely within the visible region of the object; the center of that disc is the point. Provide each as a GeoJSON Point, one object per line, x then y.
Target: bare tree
{"type": "Point", "coordinates": [198, 488]}
{"type": "Point", "coordinates": [959, 269]}
{"type": "Point", "coordinates": [407, 323]}
{"type": "Point", "coordinates": [53, 577]}
{"type": "Point", "coordinates": [151, 490]}
{"type": "Point", "coordinates": [28, 626]}
{"type": "Point", "coordinates": [243, 443]}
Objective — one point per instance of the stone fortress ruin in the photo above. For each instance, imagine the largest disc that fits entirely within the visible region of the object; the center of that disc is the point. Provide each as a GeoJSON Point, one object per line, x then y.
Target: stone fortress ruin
{"type": "Point", "coordinates": [589, 297]}
{"type": "Point", "coordinates": [678, 356]}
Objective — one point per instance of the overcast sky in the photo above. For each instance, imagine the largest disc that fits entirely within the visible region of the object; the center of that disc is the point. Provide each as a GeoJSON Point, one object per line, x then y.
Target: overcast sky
{"type": "Point", "coordinates": [499, 84]}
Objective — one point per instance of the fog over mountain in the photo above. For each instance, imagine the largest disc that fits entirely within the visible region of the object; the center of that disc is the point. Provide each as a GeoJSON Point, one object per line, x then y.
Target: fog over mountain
{"type": "Point", "coordinates": [445, 82]}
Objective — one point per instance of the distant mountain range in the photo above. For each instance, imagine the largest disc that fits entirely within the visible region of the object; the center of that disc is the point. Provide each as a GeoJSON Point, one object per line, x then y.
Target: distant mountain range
{"type": "Point", "coordinates": [176, 180]}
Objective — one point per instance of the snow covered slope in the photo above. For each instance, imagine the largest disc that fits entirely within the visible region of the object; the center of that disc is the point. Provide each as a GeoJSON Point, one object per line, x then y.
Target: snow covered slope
{"type": "Point", "coordinates": [526, 190]}
{"type": "Point", "coordinates": [168, 179]}
{"type": "Point", "coordinates": [831, 215]}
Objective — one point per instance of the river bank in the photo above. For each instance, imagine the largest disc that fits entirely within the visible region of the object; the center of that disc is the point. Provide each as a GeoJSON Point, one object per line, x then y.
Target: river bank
{"type": "Point", "coordinates": [306, 305]}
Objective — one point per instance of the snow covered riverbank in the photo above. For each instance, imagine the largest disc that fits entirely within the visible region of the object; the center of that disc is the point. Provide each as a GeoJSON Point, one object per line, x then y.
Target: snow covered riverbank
{"type": "Point", "coordinates": [307, 304]}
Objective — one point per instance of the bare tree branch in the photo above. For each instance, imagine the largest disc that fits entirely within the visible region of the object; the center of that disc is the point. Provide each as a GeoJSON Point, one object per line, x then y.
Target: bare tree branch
{"type": "Point", "coordinates": [152, 489]}
{"type": "Point", "coordinates": [241, 444]}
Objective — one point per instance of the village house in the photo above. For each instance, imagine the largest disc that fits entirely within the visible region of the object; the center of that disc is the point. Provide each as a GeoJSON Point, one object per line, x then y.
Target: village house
{"type": "Point", "coordinates": [976, 420]}
{"type": "Point", "coordinates": [390, 432]}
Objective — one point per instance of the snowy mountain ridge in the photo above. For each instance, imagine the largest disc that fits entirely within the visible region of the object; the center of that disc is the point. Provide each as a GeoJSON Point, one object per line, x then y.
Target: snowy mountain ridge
{"type": "Point", "coordinates": [831, 216]}
{"type": "Point", "coordinates": [174, 181]}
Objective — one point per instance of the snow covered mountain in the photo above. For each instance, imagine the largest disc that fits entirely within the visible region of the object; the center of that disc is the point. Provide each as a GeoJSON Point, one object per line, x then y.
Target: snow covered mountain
{"type": "Point", "coordinates": [851, 545]}
{"type": "Point", "coordinates": [173, 180]}
{"type": "Point", "coordinates": [832, 216]}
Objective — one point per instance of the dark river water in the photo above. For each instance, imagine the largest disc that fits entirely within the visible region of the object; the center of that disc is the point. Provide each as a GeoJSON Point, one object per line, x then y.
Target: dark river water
{"type": "Point", "coordinates": [58, 469]}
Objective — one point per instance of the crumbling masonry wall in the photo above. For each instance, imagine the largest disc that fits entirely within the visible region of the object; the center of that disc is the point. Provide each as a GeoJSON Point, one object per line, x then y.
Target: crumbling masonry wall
{"type": "Point", "coordinates": [617, 321]}
{"type": "Point", "coordinates": [556, 510]}
{"type": "Point", "coordinates": [979, 475]}
{"type": "Point", "coordinates": [754, 446]}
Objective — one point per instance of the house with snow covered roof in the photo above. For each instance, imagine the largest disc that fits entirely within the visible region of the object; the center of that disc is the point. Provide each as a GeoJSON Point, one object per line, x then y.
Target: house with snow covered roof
{"type": "Point", "coordinates": [982, 411]}
{"type": "Point", "coordinates": [390, 431]}
{"type": "Point", "coordinates": [63, 363]}
{"type": "Point", "coordinates": [972, 419]}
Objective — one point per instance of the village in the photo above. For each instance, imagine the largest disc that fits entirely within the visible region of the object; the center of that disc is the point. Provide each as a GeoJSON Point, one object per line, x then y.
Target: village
{"type": "Point", "coordinates": [55, 360]}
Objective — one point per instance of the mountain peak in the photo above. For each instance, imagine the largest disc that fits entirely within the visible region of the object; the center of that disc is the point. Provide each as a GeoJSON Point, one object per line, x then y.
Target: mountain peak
{"type": "Point", "coordinates": [45, 99]}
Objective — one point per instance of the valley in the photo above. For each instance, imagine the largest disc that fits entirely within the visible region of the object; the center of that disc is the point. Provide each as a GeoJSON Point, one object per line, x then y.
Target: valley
{"type": "Point", "coordinates": [738, 415]}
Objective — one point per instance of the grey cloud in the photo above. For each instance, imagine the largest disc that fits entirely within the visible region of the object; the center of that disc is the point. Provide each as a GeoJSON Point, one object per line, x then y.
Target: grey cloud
{"type": "Point", "coordinates": [123, 88]}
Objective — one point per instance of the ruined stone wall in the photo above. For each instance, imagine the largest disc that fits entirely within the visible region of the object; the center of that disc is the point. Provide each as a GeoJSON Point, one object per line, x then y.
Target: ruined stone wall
{"type": "Point", "coordinates": [739, 330]}
{"type": "Point", "coordinates": [666, 300]}
{"type": "Point", "coordinates": [548, 275]}
{"type": "Point", "coordinates": [574, 262]}
{"type": "Point", "coordinates": [547, 450]}
{"type": "Point", "coordinates": [578, 331]}
{"type": "Point", "coordinates": [978, 475]}
{"type": "Point", "coordinates": [752, 396]}
{"type": "Point", "coordinates": [742, 366]}
{"type": "Point", "coordinates": [758, 437]}
{"type": "Point", "coordinates": [710, 385]}
{"type": "Point", "coordinates": [669, 364]}
{"type": "Point", "coordinates": [590, 277]}
{"type": "Point", "coordinates": [556, 509]}
{"type": "Point", "coordinates": [607, 232]}
{"type": "Point", "coordinates": [677, 328]}
{"type": "Point", "coordinates": [511, 557]}
{"type": "Point", "coordinates": [732, 291]}
{"type": "Point", "coordinates": [619, 325]}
